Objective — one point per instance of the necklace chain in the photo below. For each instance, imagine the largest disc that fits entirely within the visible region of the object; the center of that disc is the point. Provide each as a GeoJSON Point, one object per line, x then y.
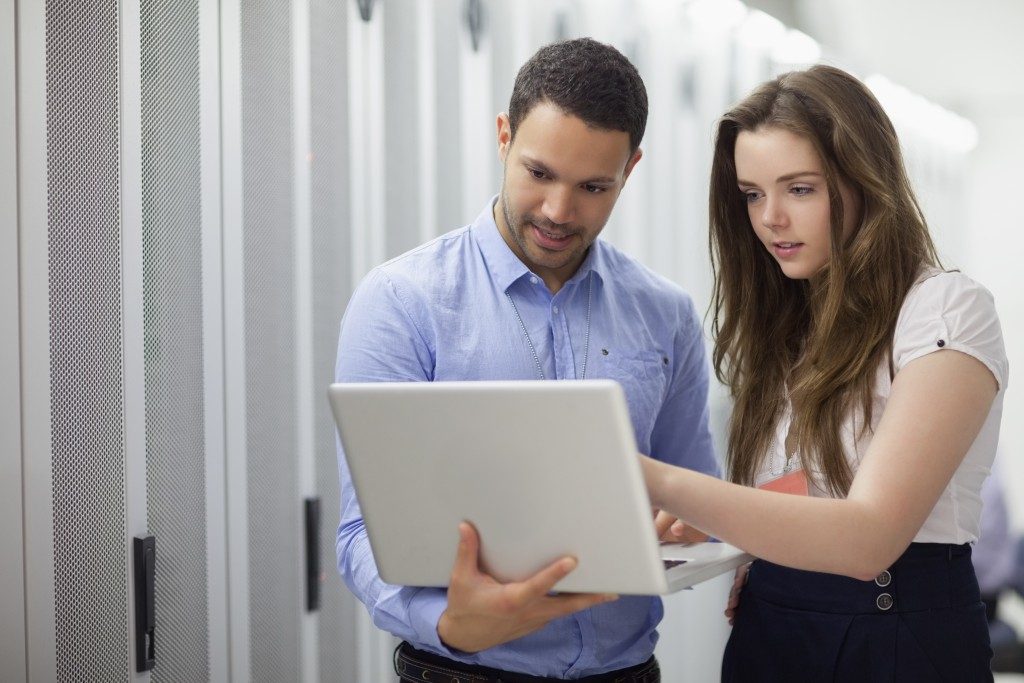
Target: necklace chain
{"type": "Point", "coordinates": [533, 349]}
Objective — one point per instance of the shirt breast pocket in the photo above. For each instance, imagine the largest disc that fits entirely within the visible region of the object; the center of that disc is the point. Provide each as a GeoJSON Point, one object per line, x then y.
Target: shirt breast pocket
{"type": "Point", "coordinates": [644, 379]}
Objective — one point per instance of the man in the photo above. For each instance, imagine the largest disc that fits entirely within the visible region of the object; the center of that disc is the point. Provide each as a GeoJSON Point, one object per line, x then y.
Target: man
{"type": "Point", "coordinates": [527, 291]}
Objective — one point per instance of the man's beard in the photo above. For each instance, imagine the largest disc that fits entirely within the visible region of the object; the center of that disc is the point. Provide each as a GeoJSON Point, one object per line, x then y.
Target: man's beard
{"type": "Point", "coordinates": [517, 227]}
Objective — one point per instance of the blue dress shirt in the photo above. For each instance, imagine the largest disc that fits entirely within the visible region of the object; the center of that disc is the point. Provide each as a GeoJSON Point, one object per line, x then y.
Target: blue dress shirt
{"type": "Point", "coordinates": [440, 312]}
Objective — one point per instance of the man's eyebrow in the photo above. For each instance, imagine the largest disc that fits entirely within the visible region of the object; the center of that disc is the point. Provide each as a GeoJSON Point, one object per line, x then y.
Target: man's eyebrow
{"type": "Point", "coordinates": [541, 166]}
{"type": "Point", "coordinates": [782, 178]}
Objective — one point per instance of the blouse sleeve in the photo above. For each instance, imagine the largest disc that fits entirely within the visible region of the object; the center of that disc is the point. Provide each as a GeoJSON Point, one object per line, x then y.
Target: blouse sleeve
{"type": "Point", "coordinates": [951, 311]}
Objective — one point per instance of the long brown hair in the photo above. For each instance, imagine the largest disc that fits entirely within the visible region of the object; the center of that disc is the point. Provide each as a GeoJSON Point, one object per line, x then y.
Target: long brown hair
{"type": "Point", "coordinates": [823, 343]}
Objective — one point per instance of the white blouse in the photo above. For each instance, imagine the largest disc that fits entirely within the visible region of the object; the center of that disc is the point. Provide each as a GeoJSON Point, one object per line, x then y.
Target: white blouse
{"type": "Point", "coordinates": [942, 311]}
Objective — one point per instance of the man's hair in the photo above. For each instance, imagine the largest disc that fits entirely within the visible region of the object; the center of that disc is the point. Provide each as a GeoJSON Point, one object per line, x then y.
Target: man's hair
{"type": "Point", "coordinates": [585, 79]}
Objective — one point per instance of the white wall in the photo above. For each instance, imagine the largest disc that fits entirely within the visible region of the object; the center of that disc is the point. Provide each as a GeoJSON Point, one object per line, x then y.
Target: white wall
{"type": "Point", "coordinates": [993, 255]}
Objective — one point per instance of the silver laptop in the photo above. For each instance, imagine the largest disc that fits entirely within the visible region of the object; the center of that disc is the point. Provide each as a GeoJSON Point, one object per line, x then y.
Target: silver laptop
{"type": "Point", "coordinates": [541, 469]}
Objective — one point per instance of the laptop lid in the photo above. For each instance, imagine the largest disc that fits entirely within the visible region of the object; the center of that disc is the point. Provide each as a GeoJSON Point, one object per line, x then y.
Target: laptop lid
{"type": "Point", "coordinates": [541, 469]}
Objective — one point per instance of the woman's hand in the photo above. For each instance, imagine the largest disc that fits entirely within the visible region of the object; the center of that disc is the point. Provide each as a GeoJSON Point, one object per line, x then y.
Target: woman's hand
{"type": "Point", "coordinates": [671, 529]}
{"type": "Point", "coordinates": [734, 595]}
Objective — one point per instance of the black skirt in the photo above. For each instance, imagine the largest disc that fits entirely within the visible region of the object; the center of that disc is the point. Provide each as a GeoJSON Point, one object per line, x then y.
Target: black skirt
{"type": "Point", "coordinates": [921, 620]}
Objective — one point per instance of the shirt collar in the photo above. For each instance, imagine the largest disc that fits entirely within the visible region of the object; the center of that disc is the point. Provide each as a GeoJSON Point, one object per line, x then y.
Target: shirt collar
{"type": "Point", "coordinates": [506, 268]}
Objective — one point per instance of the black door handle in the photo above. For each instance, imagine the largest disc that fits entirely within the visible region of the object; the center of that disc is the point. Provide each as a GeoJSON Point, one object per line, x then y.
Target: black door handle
{"type": "Point", "coordinates": [145, 601]}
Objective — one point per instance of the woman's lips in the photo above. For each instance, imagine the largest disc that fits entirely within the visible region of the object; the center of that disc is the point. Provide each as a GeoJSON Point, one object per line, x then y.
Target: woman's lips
{"type": "Point", "coordinates": [785, 250]}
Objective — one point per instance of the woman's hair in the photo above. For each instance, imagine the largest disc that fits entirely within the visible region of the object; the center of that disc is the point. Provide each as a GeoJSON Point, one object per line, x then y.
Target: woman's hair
{"type": "Point", "coordinates": [823, 343]}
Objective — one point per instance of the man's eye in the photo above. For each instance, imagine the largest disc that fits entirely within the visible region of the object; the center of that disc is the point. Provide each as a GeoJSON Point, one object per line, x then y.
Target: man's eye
{"type": "Point", "coordinates": [594, 189]}
{"type": "Point", "coordinates": [536, 174]}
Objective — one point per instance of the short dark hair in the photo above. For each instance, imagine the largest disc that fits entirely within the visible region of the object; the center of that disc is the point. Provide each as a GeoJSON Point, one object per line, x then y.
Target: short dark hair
{"type": "Point", "coordinates": [584, 78]}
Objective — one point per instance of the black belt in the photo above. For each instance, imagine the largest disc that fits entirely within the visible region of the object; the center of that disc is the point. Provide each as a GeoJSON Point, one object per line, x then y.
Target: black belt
{"type": "Point", "coordinates": [416, 665]}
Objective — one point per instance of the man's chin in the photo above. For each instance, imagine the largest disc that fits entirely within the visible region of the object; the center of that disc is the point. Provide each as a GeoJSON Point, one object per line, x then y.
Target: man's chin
{"type": "Point", "coordinates": [552, 262]}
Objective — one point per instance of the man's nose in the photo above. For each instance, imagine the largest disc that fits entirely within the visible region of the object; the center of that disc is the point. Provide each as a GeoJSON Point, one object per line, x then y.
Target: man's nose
{"type": "Point", "coordinates": [558, 205]}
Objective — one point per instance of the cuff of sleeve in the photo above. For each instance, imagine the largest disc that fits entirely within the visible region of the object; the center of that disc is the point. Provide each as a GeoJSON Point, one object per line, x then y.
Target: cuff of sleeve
{"type": "Point", "coordinates": [425, 609]}
{"type": "Point", "coordinates": [998, 370]}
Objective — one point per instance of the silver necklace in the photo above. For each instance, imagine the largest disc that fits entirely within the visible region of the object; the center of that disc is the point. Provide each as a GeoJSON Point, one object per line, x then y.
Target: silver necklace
{"type": "Point", "coordinates": [586, 342]}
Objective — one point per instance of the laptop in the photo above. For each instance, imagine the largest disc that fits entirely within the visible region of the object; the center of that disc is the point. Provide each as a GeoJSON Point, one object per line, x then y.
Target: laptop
{"type": "Point", "coordinates": [542, 469]}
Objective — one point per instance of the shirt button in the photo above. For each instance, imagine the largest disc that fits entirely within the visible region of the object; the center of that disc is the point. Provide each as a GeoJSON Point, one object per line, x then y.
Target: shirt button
{"type": "Point", "coordinates": [533, 280]}
{"type": "Point", "coordinates": [554, 309]}
{"type": "Point", "coordinates": [884, 601]}
{"type": "Point", "coordinates": [883, 579]}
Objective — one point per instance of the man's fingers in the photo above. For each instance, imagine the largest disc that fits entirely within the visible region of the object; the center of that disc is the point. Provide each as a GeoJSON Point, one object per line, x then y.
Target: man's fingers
{"type": "Point", "coordinates": [553, 607]}
{"type": "Point", "coordinates": [543, 581]}
{"type": "Point", "coordinates": [556, 606]}
{"type": "Point", "coordinates": [466, 560]}
{"type": "Point", "coordinates": [567, 604]}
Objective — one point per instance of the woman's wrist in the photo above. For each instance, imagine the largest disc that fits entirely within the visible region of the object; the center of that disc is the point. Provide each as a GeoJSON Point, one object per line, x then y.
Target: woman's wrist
{"type": "Point", "coordinates": [655, 473]}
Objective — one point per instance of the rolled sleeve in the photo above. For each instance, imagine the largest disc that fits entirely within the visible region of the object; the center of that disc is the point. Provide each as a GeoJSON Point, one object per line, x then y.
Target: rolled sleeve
{"type": "Point", "coordinates": [950, 311]}
{"type": "Point", "coordinates": [425, 609]}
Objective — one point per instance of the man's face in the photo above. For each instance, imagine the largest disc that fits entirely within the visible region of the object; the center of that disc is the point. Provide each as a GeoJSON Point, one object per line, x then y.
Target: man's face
{"type": "Point", "coordinates": [561, 180]}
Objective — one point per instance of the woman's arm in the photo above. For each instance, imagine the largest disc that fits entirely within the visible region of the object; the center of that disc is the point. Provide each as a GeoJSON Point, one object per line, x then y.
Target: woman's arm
{"type": "Point", "coordinates": [935, 410]}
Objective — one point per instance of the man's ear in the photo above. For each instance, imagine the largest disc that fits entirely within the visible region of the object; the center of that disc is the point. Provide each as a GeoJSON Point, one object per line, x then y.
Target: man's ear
{"type": "Point", "coordinates": [504, 136]}
{"type": "Point", "coordinates": [631, 163]}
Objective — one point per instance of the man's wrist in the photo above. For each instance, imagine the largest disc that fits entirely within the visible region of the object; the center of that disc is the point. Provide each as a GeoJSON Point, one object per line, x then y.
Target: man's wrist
{"type": "Point", "coordinates": [443, 628]}
{"type": "Point", "coordinates": [446, 633]}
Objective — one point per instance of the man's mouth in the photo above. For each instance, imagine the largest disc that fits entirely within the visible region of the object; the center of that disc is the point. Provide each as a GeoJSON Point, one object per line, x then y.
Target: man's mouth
{"type": "Point", "coordinates": [553, 235]}
{"type": "Point", "coordinates": [549, 239]}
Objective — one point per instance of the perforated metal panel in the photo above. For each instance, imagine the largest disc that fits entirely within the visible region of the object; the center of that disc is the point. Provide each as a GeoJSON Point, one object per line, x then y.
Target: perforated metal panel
{"type": "Point", "coordinates": [275, 553]}
{"type": "Point", "coordinates": [86, 340]}
{"type": "Point", "coordinates": [332, 277]}
{"type": "Point", "coordinates": [13, 664]}
{"type": "Point", "coordinates": [450, 170]}
{"type": "Point", "coordinates": [172, 286]}
{"type": "Point", "coordinates": [402, 162]}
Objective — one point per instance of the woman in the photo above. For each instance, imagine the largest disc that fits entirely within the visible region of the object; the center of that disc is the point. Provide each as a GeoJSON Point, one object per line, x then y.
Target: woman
{"type": "Point", "coordinates": [863, 377]}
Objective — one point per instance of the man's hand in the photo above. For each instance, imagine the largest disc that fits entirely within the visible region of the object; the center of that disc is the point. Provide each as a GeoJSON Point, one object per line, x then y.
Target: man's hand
{"type": "Point", "coordinates": [673, 530]}
{"type": "Point", "coordinates": [483, 613]}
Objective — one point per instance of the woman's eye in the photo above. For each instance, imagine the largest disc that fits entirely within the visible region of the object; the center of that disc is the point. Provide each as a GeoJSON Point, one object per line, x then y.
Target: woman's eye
{"type": "Point", "coordinates": [751, 196]}
{"type": "Point", "coordinates": [800, 191]}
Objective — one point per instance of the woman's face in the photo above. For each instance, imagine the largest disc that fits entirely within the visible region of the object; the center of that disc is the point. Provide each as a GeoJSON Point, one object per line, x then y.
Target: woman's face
{"type": "Point", "coordinates": [783, 183]}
